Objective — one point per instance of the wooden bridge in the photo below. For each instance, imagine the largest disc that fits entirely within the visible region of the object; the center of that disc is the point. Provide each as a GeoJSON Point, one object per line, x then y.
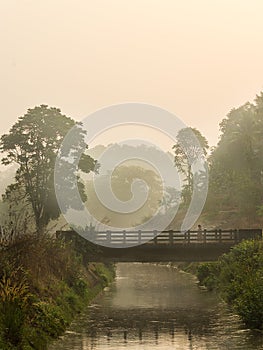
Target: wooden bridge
{"type": "Point", "coordinates": [153, 246]}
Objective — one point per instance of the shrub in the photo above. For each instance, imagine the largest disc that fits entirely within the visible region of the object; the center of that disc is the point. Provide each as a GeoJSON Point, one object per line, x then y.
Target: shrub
{"type": "Point", "coordinates": [249, 304]}
{"type": "Point", "coordinates": [14, 296]}
{"type": "Point", "coordinates": [241, 281]}
{"type": "Point", "coordinates": [207, 273]}
{"type": "Point", "coordinates": [43, 284]}
{"type": "Point", "coordinates": [48, 318]}
{"type": "Point", "coordinates": [80, 286]}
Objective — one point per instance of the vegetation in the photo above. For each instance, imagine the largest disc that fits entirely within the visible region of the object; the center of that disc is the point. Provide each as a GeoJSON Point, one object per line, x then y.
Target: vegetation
{"type": "Point", "coordinates": [190, 147]}
{"type": "Point", "coordinates": [43, 284]}
{"type": "Point", "coordinates": [237, 276]}
{"type": "Point", "coordinates": [44, 281]}
{"type": "Point", "coordinates": [121, 181]}
{"type": "Point", "coordinates": [33, 143]}
{"type": "Point", "coordinates": [236, 167]}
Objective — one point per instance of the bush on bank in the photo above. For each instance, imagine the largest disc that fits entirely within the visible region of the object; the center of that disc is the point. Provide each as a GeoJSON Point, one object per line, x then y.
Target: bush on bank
{"type": "Point", "coordinates": [43, 285]}
{"type": "Point", "coordinates": [238, 276]}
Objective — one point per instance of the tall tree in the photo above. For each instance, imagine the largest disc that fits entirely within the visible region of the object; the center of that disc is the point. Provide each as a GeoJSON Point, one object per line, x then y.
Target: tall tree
{"type": "Point", "coordinates": [190, 146]}
{"type": "Point", "coordinates": [236, 165]}
{"type": "Point", "coordinates": [33, 143]}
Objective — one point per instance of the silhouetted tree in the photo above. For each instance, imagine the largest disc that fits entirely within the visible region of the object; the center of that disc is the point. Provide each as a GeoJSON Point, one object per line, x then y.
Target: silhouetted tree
{"type": "Point", "coordinates": [33, 143]}
{"type": "Point", "coordinates": [190, 147]}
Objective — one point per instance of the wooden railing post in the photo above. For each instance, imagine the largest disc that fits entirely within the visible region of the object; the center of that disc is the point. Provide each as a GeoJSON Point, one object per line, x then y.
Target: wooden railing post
{"type": "Point", "coordinates": [155, 237]}
{"type": "Point", "coordinates": [220, 235]}
{"type": "Point", "coordinates": [216, 235]}
{"type": "Point", "coordinates": [189, 236]}
{"type": "Point", "coordinates": [171, 238]}
{"type": "Point", "coordinates": [231, 235]}
{"type": "Point", "coordinates": [108, 237]}
{"type": "Point", "coordinates": [124, 237]}
{"type": "Point", "coordinates": [204, 235]}
{"type": "Point", "coordinates": [235, 236]}
{"type": "Point", "coordinates": [139, 237]}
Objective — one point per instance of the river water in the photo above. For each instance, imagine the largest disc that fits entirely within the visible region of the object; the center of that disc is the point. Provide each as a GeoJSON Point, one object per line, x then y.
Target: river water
{"type": "Point", "coordinates": [157, 307]}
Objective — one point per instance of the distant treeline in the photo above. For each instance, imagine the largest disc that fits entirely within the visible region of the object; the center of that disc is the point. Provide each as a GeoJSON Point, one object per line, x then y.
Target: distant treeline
{"type": "Point", "coordinates": [235, 166]}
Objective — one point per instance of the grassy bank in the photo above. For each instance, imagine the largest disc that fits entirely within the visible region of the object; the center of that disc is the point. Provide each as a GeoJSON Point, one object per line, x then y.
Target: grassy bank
{"type": "Point", "coordinates": [238, 278]}
{"type": "Point", "coordinates": [44, 284]}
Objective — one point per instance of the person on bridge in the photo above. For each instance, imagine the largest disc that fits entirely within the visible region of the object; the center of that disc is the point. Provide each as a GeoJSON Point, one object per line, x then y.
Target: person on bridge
{"type": "Point", "coordinates": [199, 233]}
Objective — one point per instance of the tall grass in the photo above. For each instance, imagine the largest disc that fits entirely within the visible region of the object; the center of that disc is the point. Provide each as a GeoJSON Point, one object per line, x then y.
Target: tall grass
{"type": "Point", "coordinates": [43, 284]}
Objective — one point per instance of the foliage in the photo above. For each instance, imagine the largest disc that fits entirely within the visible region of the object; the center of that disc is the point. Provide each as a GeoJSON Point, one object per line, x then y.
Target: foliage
{"type": "Point", "coordinates": [121, 181]}
{"type": "Point", "coordinates": [14, 297]}
{"type": "Point", "coordinates": [105, 272]}
{"type": "Point", "coordinates": [190, 147]}
{"type": "Point", "coordinates": [43, 284]}
{"type": "Point", "coordinates": [33, 143]}
{"type": "Point", "coordinates": [15, 214]}
{"type": "Point", "coordinates": [241, 281]}
{"type": "Point", "coordinates": [207, 274]}
{"type": "Point", "coordinates": [48, 317]}
{"type": "Point", "coordinates": [236, 166]}
{"type": "Point", "coordinates": [238, 277]}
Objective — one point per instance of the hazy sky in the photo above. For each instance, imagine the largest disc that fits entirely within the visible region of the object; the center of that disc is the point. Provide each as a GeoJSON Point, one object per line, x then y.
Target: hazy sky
{"type": "Point", "coordinates": [197, 59]}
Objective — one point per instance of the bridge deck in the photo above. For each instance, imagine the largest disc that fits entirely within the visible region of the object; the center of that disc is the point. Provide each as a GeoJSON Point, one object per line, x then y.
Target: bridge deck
{"type": "Point", "coordinates": [153, 246]}
{"type": "Point", "coordinates": [171, 237]}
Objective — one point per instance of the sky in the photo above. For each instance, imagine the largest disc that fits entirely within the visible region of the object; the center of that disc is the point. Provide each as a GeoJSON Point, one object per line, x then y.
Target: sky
{"type": "Point", "coordinates": [196, 59]}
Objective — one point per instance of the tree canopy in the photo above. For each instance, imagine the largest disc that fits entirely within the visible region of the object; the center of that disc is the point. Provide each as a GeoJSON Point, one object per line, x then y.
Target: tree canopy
{"type": "Point", "coordinates": [190, 146]}
{"type": "Point", "coordinates": [33, 143]}
{"type": "Point", "coordinates": [236, 164]}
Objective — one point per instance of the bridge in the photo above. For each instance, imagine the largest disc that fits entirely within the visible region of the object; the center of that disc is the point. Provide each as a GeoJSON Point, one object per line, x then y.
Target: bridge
{"type": "Point", "coordinates": [153, 246]}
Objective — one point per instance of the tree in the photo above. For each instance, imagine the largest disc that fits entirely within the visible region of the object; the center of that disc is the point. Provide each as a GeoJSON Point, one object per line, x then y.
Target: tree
{"type": "Point", "coordinates": [33, 143]}
{"type": "Point", "coordinates": [121, 181]}
{"type": "Point", "coordinates": [191, 146]}
{"type": "Point", "coordinates": [236, 165]}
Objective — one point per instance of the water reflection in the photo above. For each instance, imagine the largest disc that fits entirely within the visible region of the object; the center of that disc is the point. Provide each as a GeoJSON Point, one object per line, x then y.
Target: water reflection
{"type": "Point", "coordinates": [157, 307]}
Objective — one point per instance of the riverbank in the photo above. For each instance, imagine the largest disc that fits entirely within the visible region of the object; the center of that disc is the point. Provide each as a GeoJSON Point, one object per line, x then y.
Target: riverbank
{"type": "Point", "coordinates": [44, 284]}
{"type": "Point", "coordinates": [237, 278]}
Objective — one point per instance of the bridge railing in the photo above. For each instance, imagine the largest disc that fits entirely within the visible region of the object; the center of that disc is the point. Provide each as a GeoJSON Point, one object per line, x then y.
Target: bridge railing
{"type": "Point", "coordinates": [168, 237]}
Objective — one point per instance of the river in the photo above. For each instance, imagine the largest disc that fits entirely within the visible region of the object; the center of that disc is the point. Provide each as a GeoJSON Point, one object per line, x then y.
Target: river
{"type": "Point", "coordinates": [157, 307]}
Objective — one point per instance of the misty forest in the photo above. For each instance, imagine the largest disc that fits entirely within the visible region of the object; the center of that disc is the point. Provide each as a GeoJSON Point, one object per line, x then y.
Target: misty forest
{"type": "Point", "coordinates": [47, 279]}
